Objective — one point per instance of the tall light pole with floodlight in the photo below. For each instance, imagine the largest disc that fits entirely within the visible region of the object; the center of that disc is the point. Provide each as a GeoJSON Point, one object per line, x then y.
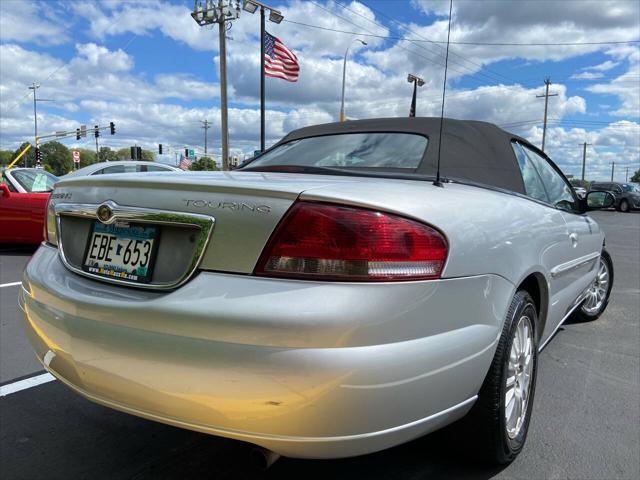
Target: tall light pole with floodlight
{"type": "Point", "coordinates": [275, 16]}
{"type": "Point", "coordinates": [343, 117]}
{"type": "Point", "coordinates": [207, 12]}
{"type": "Point", "coordinates": [417, 82]}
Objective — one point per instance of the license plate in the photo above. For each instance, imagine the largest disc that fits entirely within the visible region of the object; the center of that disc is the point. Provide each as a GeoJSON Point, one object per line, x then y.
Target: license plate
{"type": "Point", "coordinates": [121, 250]}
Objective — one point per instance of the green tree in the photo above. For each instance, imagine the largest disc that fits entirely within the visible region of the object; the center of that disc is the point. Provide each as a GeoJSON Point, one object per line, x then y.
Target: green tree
{"type": "Point", "coordinates": [147, 155]}
{"type": "Point", "coordinates": [107, 155]}
{"type": "Point", "coordinates": [576, 182]}
{"type": "Point", "coordinates": [57, 156]}
{"type": "Point", "coordinates": [123, 153]}
{"type": "Point", "coordinates": [636, 176]}
{"type": "Point", "coordinates": [204, 163]}
{"type": "Point", "coordinates": [5, 157]}
{"type": "Point", "coordinates": [28, 159]}
{"type": "Point", "coordinates": [87, 157]}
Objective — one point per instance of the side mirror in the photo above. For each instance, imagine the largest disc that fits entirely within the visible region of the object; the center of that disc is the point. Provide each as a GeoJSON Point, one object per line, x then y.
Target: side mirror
{"type": "Point", "coordinates": [597, 200]}
{"type": "Point", "coordinates": [6, 193]}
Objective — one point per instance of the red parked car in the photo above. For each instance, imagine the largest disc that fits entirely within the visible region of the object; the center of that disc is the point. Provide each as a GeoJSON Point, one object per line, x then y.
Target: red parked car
{"type": "Point", "coordinates": [23, 202]}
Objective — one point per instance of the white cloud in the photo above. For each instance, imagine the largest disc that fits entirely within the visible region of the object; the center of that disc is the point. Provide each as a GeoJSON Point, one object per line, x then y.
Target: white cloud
{"type": "Point", "coordinates": [587, 75]}
{"type": "Point", "coordinates": [22, 21]}
{"type": "Point", "coordinates": [604, 66]}
{"type": "Point", "coordinates": [625, 86]}
{"type": "Point", "coordinates": [95, 57]}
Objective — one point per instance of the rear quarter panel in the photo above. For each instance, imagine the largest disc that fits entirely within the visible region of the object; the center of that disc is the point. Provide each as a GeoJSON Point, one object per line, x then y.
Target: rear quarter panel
{"type": "Point", "coordinates": [488, 232]}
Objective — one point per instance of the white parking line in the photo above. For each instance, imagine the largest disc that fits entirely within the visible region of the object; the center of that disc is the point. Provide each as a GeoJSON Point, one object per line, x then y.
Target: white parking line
{"type": "Point", "coordinates": [26, 383]}
{"type": "Point", "coordinates": [9, 284]}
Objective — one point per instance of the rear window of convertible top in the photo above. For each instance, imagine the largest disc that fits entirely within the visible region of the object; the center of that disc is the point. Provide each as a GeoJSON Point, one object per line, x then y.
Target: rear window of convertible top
{"type": "Point", "coordinates": [355, 150]}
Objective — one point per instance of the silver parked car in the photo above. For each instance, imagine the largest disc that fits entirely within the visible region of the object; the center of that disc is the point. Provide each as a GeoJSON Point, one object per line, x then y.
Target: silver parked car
{"type": "Point", "coordinates": [121, 166]}
{"type": "Point", "coordinates": [335, 296]}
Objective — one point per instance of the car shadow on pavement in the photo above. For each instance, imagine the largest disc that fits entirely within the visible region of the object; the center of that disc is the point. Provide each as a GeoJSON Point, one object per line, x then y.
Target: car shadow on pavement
{"type": "Point", "coordinates": [17, 250]}
{"type": "Point", "coordinates": [435, 456]}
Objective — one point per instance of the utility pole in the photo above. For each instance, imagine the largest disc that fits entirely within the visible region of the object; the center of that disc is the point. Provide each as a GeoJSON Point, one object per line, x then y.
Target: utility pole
{"type": "Point", "coordinates": [584, 158]}
{"type": "Point", "coordinates": [613, 167]}
{"type": "Point", "coordinates": [547, 82]}
{"type": "Point", "coordinates": [220, 12]}
{"type": "Point", "coordinates": [206, 126]}
{"type": "Point", "coordinates": [417, 82]}
{"type": "Point", "coordinates": [626, 175]}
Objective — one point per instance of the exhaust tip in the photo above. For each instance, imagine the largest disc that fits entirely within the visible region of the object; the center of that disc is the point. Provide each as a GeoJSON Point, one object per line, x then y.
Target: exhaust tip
{"type": "Point", "coordinates": [262, 458]}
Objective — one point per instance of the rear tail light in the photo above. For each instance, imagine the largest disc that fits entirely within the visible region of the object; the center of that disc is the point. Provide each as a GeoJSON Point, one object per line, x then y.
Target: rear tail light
{"type": "Point", "coordinates": [50, 235]}
{"type": "Point", "coordinates": [332, 242]}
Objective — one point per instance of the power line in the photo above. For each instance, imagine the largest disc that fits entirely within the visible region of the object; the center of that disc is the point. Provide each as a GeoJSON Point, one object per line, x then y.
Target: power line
{"type": "Point", "coordinates": [468, 72]}
{"type": "Point", "coordinates": [506, 44]}
{"type": "Point", "coordinates": [437, 44]}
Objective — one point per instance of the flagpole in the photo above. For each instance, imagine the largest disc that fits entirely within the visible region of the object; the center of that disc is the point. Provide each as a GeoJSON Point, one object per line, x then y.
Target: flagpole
{"type": "Point", "coordinates": [262, 78]}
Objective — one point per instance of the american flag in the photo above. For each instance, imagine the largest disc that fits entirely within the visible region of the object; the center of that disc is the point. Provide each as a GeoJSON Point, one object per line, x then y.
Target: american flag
{"type": "Point", "coordinates": [185, 163]}
{"type": "Point", "coordinates": [279, 61]}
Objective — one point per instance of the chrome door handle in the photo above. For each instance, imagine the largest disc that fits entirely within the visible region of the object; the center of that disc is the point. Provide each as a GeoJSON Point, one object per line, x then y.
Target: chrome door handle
{"type": "Point", "coordinates": [574, 239]}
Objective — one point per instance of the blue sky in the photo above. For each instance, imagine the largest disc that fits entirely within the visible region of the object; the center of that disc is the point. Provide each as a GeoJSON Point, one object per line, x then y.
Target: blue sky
{"type": "Point", "coordinates": [149, 68]}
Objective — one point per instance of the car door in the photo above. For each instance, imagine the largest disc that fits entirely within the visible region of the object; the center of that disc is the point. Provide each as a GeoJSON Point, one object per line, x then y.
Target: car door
{"type": "Point", "coordinates": [552, 239]}
{"type": "Point", "coordinates": [584, 238]}
{"type": "Point", "coordinates": [15, 216]}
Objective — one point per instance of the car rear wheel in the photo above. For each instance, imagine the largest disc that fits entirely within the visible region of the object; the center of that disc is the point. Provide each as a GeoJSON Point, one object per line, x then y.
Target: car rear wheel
{"type": "Point", "coordinates": [624, 206]}
{"type": "Point", "coordinates": [599, 291]}
{"type": "Point", "coordinates": [499, 420]}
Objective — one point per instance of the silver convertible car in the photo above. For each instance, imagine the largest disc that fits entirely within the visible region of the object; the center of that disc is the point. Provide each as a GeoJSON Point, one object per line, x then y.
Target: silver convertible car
{"type": "Point", "coordinates": [337, 295]}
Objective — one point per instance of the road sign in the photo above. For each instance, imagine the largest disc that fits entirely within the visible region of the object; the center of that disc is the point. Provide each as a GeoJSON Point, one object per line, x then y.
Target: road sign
{"type": "Point", "coordinates": [76, 156]}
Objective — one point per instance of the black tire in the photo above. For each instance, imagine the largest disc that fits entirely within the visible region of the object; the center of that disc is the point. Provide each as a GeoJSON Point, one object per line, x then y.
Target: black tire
{"type": "Point", "coordinates": [581, 314]}
{"type": "Point", "coordinates": [624, 206]}
{"type": "Point", "coordinates": [486, 421]}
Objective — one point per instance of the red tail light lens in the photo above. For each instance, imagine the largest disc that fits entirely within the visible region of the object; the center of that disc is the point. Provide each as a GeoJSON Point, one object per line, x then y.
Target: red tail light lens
{"type": "Point", "coordinates": [332, 242]}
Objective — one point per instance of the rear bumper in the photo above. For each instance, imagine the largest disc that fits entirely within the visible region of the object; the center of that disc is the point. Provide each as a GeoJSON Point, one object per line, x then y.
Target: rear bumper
{"type": "Point", "coordinates": [304, 369]}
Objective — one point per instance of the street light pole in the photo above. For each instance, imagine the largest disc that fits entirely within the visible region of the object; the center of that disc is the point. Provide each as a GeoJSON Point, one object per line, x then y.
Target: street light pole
{"type": "Point", "coordinates": [417, 82]}
{"type": "Point", "coordinates": [343, 117]}
{"type": "Point", "coordinates": [262, 93]}
{"type": "Point", "coordinates": [223, 96]}
{"type": "Point", "coordinates": [220, 12]}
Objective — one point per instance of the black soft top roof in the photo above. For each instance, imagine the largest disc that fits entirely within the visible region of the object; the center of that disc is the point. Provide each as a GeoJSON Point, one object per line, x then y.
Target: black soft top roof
{"type": "Point", "coordinates": [471, 150]}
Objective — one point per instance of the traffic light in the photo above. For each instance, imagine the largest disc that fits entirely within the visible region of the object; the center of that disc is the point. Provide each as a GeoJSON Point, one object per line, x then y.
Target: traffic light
{"type": "Point", "coordinates": [77, 134]}
{"type": "Point", "coordinates": [96, 131]}
{"type": "Point", "coordinates": [160, 149]}
{"type": "Point", "coordinates": [112, 128]}
{"type": "Point", "coordinates": [38, 156]}
{"type": "Point", "coordinates": [186, 153]}
{"type": "Point", "coordinates": [136, 153]}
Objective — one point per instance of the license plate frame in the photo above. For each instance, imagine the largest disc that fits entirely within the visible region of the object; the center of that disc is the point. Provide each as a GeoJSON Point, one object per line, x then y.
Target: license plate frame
{"type": "Point", "coordinates": [123, 231]}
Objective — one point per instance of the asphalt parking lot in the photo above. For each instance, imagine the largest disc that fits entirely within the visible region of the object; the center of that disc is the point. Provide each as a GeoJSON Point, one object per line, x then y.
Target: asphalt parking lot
{"type": "Point", "coordinates": [585, 422]}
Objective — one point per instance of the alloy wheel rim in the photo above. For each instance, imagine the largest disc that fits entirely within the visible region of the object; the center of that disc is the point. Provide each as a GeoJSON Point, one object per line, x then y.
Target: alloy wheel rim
{"type": "Point", "coordinates": [519, 372]}
{"type": "Point", "coordinates": [597, 293]}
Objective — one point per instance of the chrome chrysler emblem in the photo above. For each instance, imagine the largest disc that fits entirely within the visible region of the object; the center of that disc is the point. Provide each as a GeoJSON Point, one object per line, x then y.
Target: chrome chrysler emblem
{"type": "Point", "coordinates": [104, 213]}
